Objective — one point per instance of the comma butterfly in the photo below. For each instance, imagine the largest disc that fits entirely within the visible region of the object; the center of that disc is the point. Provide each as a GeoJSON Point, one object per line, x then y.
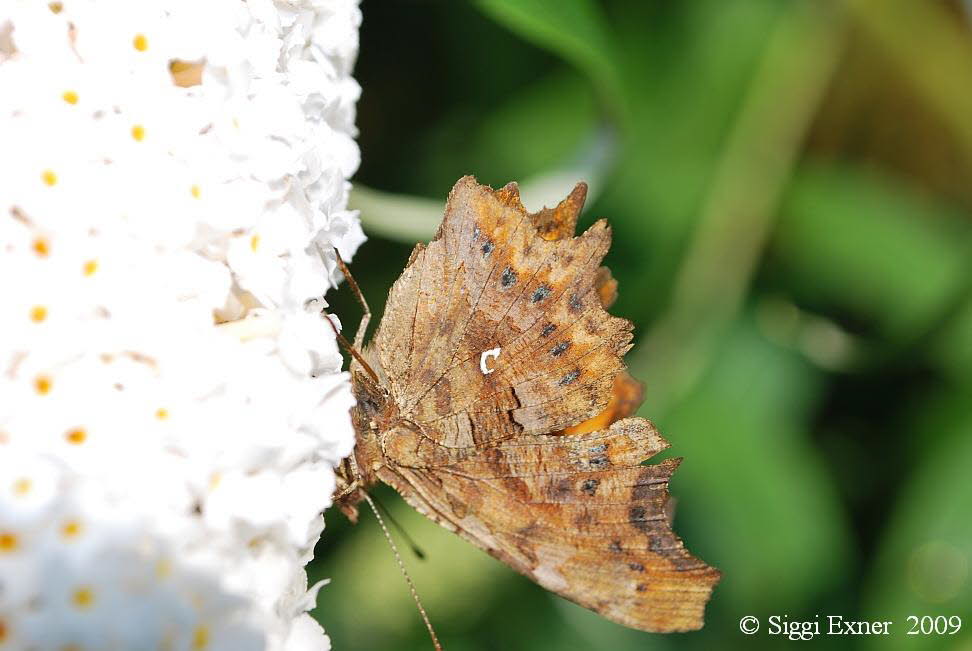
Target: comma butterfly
{"type": "Point", "coordinates": [493, 397]}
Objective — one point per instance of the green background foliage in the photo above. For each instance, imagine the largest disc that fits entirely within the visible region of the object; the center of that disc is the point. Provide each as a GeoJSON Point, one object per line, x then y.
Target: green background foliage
{"type": "Point", "coordinates": [788, 188]}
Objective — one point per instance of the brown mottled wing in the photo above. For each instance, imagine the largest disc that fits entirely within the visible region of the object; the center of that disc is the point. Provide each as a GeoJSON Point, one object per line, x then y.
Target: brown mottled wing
{"type": "Point", "coordinates": [577, 514]}
{"type": "Point", "coordinates": [493, 277]}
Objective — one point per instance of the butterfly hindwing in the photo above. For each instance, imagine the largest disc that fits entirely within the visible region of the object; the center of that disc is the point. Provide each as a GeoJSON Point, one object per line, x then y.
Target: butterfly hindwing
{"type": "Point", "coordinates": [577, 514]}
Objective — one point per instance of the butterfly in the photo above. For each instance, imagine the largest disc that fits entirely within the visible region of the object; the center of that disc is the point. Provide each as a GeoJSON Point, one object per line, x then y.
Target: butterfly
{"type": "Point", "coordinates": [493, 398]}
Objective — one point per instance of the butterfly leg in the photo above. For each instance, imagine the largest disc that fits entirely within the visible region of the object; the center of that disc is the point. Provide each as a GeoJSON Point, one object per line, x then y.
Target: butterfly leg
{"type": "Point", "coordinates": [346, 495]}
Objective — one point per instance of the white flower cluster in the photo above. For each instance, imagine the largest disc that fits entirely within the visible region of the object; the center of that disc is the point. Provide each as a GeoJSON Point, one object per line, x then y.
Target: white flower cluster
{"type": "Point", "coordinates": [171, 408]}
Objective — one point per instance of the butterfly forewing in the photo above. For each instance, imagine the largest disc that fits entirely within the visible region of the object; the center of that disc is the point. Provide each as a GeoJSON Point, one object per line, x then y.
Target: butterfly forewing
{"type": "Point", "coordinates": [489, 281]}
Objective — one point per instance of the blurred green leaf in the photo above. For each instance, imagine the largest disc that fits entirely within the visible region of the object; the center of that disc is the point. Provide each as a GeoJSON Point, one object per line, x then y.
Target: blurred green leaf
{"type": "Point", "coordinates": [888, 256]}
{"type": "Point", "coordinates": [952, 349]}
{"type": "Point", "coordinates": [741, 202]}
{"type": "Point", "coordinates": [925, 564]}
{"type": "Point", "coordinates": [930, 44]}
{"type": "Point", "coordinates": [533, 131]}
{"type": "Point", "coordinates": [454, 581]}
{"type": "Point", "coordinates": [575, 30]}
{"type": "Point", "coordinates": [548, 125]}
{"type": "Point", "coordinates": [546, 138]}
{"type": "Point", "coordinates": [755, 500]}
{"type": "Point", "coordinates": [686, 80]}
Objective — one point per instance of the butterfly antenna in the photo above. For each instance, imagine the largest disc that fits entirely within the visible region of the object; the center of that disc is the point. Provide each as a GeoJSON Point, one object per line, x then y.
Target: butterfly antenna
{"type": "Point", "coordinates": [401, 530]}
{"type": "Point", "coordinates": [401, 566]}
{"type": "Point", "coordinates": [358, 294]}
{"type": "Point", "coordinates": [351, 349]}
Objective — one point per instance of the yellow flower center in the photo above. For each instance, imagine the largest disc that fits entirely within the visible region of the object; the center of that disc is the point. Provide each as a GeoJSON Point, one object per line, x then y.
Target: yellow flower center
{"type": "Point", "coordinates": [55, 7]}
{"type": "Point", "coordinates": [38, 313]}
{"type": "Point", "coordinates": [21, 486]}
{"type": "Point", "coordinates": [162, 413]}
{"type": "Point", "coordinates": [196, 192]}
{"type": "Point", "coordinates": [41, 247]}
{"type": "Point", "coordinates": [140, 43]}
{"type": "Point", "coordinates": [90, 267]}
{"type": "Point", "coordinates": [71, 529]}
{"type": "Point", "coordinates": [8, 542]}
{"type": "Point", "coordinates": [163, 568]}
{"type": "Point", "coordinates": [70, 97]}
{"type": "Point", "coordinates": [76, 436]}
{"type": "Point", "coordinates": [43, 384]}
{"type": "Point", "coordinates": [83, 597]}
{"type": "Point", "coordinates": [49, 177]}
{"type": "Point", "coordinates": [200, 638]}
{"type": "Point", "coordinates": [138, 133]}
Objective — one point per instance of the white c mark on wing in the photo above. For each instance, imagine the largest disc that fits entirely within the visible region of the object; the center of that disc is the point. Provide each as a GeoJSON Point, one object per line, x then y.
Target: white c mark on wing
{"type": "Point", "coordinates": [494, 353]}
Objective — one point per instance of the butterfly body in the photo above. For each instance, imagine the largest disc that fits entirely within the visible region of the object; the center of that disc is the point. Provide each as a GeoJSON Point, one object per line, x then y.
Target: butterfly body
{"type": "Point", "coordinates": [491, 405]}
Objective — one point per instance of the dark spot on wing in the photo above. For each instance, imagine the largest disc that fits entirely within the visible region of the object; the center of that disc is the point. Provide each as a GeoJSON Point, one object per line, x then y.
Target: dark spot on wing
{"type": "Point", "coordinates": [443, 394]}
{"type": "Point", "coordinates": [561, 489]}
{"type": "Point", "coordinates": [508, 279]}
{"type": "Point", "coordinates": [459, 508]}
{"type": "Point", "coordinates": [542, 292]}
{"type": "Point", "coordinates": [529, 554]}
{"type": "Point", "coordinates": [516, 486]}
{"type": "Point", "coordinates": [641, 587]}
{"type": "Point", "coordinates": [560, 348]}
{"type": "Point", "coordinates": [590, 486]}
{"type": "Point", "coordinates": [637, 567]}
{"type": "Point", "coordinates": [525, 547]}
{"type": "Point", "coordinates": [584, 519]}
{"type": "Point", "coordinates": [494, 455]}
{"type": "Point", "coordinates": [576, 305]}
{"type": "Point", "coordinates": [547, 329]}
{"type": "Point", "coordinates": [615, 546]}
{"type": "Point", "coordinates": [599, 462]}
{"type": "Point", "coordinates": [486, 248]}
{"type": "Point", "coordinates": [570, 377]}
{"type": "Point", "coordinates": [645, 485]}
{"type": "Point", "coordinates": [597, 449]}
{"type": "Point", "coordinates": [636, 516]}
